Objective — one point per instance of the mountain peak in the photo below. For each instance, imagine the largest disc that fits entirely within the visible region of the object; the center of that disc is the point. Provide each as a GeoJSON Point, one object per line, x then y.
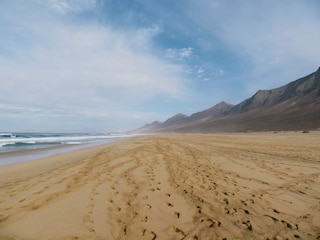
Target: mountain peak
{"type": "Point", "coordinates": [293, 106]}
{"type": "Point", "coordinates": [217, 111]}
{"type": "Point", "coordinates": [179, 115]}
{"type": "Point", "coordinates": [220, 107]}
{"type": "Point", "coordinates": [223, 104]}
{"type": "Point", "coordinates": [155, 123]}
{"type": "Point", "coordinates": [176, 119]}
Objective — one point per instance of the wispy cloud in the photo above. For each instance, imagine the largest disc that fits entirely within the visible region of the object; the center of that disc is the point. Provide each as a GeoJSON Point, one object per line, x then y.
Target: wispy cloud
{"type": "Point", "coordinates": [101, 64]}
{"type": "Point", "coordinates": [200, 72]}
{"type": "Point", "coordinates": [179, 54]}
{"type": "Point", "coordinates": [86, 70]}
{"type": "Point", "coordinates": [66, 6]}
{"type": "Point", "coordinates": [276, 40]}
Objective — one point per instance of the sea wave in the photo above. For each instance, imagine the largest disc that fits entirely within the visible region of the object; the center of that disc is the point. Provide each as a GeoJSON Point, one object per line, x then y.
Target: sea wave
{"type": "Point", "coordinates": [19, 141]}
{"type": "Point", "coordinates": [7, 135]}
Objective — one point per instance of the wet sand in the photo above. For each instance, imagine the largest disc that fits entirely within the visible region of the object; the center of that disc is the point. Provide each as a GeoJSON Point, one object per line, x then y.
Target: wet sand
{"type": "Point", "coordinates": [25, 155]}
{"type": "Point", "coordinates": [197, 186]}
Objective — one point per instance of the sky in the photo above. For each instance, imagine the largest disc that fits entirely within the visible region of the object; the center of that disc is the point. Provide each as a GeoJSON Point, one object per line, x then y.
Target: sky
{"type": "Point", "coordinates": [115, 65]}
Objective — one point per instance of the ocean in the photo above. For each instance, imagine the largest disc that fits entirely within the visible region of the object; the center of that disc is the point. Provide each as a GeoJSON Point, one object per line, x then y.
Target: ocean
{"type": "Point", "coordinates": [46, 144]}
{"type": "Point", "coordinates": [22, 141]}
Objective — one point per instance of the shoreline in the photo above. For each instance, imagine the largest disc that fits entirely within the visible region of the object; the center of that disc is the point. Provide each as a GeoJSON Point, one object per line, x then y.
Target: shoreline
{"type": "Point", "coordinates": [168, 186]}
{"type": "Point", "coordinates": [25, 155]}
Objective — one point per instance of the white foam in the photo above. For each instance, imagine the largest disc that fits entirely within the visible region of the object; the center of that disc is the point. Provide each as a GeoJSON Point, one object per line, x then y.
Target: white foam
{"type": "Point", "coordinates": [53, 139]}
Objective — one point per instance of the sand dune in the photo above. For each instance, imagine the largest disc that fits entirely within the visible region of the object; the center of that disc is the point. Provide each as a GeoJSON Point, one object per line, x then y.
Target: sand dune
{"type": "Point", "coordinates": [231, 186]}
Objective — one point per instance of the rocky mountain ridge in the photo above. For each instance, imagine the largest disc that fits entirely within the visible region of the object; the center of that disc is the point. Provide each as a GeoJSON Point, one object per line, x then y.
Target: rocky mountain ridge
{"type": "Point", "coordinates": [294, 106]}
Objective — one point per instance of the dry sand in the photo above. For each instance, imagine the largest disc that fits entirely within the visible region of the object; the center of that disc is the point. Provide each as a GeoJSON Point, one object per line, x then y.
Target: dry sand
{"type": "Point", "coordinates": [229, 186]}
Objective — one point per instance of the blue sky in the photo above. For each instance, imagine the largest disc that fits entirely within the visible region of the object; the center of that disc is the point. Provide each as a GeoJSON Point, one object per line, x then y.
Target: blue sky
{"type": "Point", "coordinates": [113, 65]}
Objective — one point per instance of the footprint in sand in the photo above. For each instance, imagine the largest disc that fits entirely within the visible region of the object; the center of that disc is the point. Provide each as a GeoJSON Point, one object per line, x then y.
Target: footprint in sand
{"type": "Point", "coordinates": [153, 235]}
{"type": "Point", "coordinates": [145, 219]}
{"type": "Point", "coordinates": [213, 222]}
{"type": "Point", "coordinates": [247, 224]}
{"type": "Point", "coordinates": [199, 209]}
{"type": "Point", "coordinates": [245, 211]}
{"type": "Point", "coordinates": [148, 234]}
{"type": "Point", "coordinates": [273, 218]}
{"type": "Point", "coordinates": [177, 230]}
{"type": "Point", "coordinates": [275, 210]}
{"type": "Point", "coordinates": [290, 226]}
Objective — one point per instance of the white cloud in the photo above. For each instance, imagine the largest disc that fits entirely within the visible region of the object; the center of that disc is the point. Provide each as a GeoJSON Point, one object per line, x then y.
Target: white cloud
{"type": "Point", "coordinates": [186, 52]}
{"type": "Point", "coordinates": [89, 71]}
{"type": "Point", "coordinates": [86, 60]}
{"type": "Point", "coordinates": [200, 72]}
{"type": "Point", "coordinates": [179, 54]}
{"type": "Point", "coordinates": [277, 40]}
{"type": "Point", "coordinates": [67, 6]}
{"type": "Point", "coordinates": [54, 65]}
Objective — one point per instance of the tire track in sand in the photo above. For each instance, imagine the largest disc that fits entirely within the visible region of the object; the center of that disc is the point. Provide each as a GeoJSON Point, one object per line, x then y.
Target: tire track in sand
{"type": "Point", "coordinates": [174, 187]}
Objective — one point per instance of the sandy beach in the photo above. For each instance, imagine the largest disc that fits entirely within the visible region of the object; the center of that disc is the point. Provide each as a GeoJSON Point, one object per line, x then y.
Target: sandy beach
{"type": "Point", "coordinates": [179, 186]}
